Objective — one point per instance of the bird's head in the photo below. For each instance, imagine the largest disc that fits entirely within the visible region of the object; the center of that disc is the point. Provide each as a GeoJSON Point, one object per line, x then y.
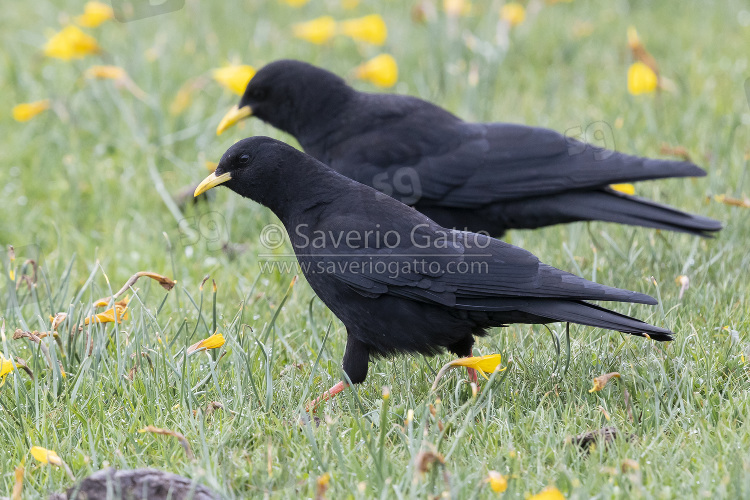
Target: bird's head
{"type": "Point", "coordinates": [290, 95]}
{"type": "Point", "coordinates": [265, 170]}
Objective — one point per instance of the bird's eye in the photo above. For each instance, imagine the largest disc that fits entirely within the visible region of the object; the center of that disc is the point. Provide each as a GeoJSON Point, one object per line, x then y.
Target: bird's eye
{"type": "Point", "coordinates": [245, 159]}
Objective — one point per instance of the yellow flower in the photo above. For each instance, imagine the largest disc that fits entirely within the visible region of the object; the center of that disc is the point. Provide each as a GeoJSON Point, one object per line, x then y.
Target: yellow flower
{"type": "Point", "coordinates": [641, 79]}
{"type": "Point", "coordinates": [370, 29]}
{"type": "Point", "coordinates": [601, 381]}
{"type": "Point", "coordinates": [45, 456]}
{"type": "Point", "coordinates": [497, 481]}
{"type": "Point", "coordinates": [295, 3]}
{"type": "Point", "coordinates": [623, 188]}
{"type": "Point", "coordinates": [26, 111]}
{"type": "Point", "coordinates": [381, 70]}
{"type": "Point", "coordinates": [349, 4]}
{"type": "Point", "coordinates": [214, 341]}
{"type": "Point", "coordinates": [482, 364]}
{"type": "Point", "coordinates": [70, 43]}
{"type": "Point", "coordinates": [318, 30]}
{"type": "Point", "coordinates": [513, 13]}
{"type": "Point", "coordinates": [456, 8]}
{"type": "Point", "coordinates": [105, 73]}
{"type": "Point", "coordinates": [6, 366]}
{"type": "Point", "coordinates": [235, 78]}
{"type": "Point", "coordinates": [549, 493]}
{"type": "Point", "coordinates": [94, 14]}
{"type": "Point", "coordinates": [108, 316]}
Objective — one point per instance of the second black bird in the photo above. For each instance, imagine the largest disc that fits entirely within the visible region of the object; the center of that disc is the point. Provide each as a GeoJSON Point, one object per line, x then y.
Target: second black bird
{"type": "Point", "coordinates": [477, 176]}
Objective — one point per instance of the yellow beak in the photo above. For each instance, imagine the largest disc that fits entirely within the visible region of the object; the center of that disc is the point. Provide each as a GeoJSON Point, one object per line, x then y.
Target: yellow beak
{"type": "Point", "coordinates": [233, 116]}
{"type": "Point", "coordinates": [211, 181]}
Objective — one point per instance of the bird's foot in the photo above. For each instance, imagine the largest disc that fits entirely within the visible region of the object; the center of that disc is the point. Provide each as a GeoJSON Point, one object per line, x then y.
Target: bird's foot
{"type": "Point", "coordinates": [472, 375]}
{"type": "Point", "coordinates": [311, 406]}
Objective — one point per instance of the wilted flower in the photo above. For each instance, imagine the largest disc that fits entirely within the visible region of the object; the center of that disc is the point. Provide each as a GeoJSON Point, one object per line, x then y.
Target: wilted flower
{"type": "Point", "coordinates": [108, 316]}
{"type": "Point", "coordinates": [94, 14]}
{"type": "Point", "coordinates": [46, 456]}
{"type": "Point", "coordinates": [370, 29]}
{"type": "Point", "coordinates": [381, 70]}
{"type": "Point", "coordinates": [214, 341]}
{"type": "Point", "coordinates": [601, 381]}
{"type": "Point", "coordinates": [623, 188]}
{"type": "Point", "coordinates": [235, 77]}
{"type": "Point", "coordinates": [513, 13]}
{"type": "Point", "coordinates": [26, 111]}
{"type": "Point", "coordinates": [57, 319]}
{"type": "Point", "coordinates": [106, 73]}
{"type": "Point", "coordinates": [549, 493]}
{"type": "Point", "coordinates": [641, 79]}
{"type": "Point", "coordinates": [71, 43]}
{"type": "Point", "coordinates": [497, 481]}
{"type": "Point", "coordinates": [318, 30]}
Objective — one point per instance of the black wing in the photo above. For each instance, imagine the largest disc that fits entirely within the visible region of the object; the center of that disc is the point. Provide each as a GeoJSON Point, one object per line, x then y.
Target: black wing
{"type": "Point", "coordinates": [413, 150]}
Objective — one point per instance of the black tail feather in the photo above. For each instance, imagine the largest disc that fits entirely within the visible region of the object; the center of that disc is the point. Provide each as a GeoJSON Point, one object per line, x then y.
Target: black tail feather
{"type": "Point", "coordinates": [592, 315]}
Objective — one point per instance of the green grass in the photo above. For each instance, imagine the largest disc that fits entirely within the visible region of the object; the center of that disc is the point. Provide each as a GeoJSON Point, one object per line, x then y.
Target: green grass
{"type": "Point", "coordinates": [80, 194]}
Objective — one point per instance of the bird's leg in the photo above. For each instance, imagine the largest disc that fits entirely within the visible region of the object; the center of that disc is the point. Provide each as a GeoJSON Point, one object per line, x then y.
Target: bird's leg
{"type": "Point", "coordinates": [465, 348]}
{"type": "Point", "coordinates": [311, 406]}
{"type": "Point", "coordinates": [472, 372]}
{"type": "Point", "coordinates": [356, 358]}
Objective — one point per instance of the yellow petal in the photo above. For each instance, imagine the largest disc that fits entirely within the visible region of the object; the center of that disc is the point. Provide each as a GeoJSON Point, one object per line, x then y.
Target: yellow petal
{"type": "Point", "coordinates": [295, 3]}
{"type": "Point", "coordinates": [26, 111]}
{"type": "Point", "coordinates": [641, 79]}
{"type": "Point", "coordinates": [70, 43]}
{"type": "Point", "coordinates": [45, 456]}
{"type": "Point", "coordinates": [601, 381]}
{"type": "Point", "coordinates": [623, 188]}
{"type": "Point", "coordinates": [370, 29]}
{"type": "Point", "coordinates": [94, 14]}
{"type": "Point", "coordinates": [214, 341]}
{"type": "Point", "coordinates": [235, 78]}
{"type": "Point", "coordinates": [497, 481]}
{"type": "Point", "coordinates": [549, 493]}
{"type": "Point", "coordinates": [513, 13]}
{"type": "Point", "coordinates": [381, 70]}
{"type": "Point", "coordinates": [318, 30]}
{"type": "Point", "coordinates": [6, 366]}
{"type": "Point", "coordinates": [482, 364]}
{"type": "Point", "coordinates": [105, 73]}
{"type": "Point", "coordinates": [456, 8]}
{"type": "Point", "coordinates": [108, 316]}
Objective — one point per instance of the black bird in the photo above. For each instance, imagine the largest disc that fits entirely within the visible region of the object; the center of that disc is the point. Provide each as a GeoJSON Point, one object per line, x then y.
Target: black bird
{"type": "Point", "coordinates": [398, 281]}
{"type": "Point", "coordinates": [475, 176]}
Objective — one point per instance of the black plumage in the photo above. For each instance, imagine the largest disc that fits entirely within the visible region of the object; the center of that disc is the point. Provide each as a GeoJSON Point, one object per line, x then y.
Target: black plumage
{"type": "Point", "coordinates": [397, 280]}
{"type": "Point", "coordinates": [475, 176]}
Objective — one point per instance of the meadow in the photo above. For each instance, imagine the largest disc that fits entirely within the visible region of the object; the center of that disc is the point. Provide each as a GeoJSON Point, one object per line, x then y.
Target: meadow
{"type": "Point", "coordinates": [92, 190]}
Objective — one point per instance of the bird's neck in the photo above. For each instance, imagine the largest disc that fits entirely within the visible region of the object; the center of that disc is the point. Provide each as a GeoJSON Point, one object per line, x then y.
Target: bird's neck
{"type": "Point", "coordinates": [318, 119]}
